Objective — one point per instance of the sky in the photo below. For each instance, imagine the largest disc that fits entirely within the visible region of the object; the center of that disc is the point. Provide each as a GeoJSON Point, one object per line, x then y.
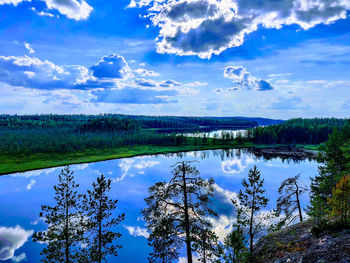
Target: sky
{"type": "Point", "coordinates": [263, 58]}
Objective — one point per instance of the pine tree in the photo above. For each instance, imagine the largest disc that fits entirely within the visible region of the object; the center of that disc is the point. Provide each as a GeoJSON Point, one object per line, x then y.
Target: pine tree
{"type": "Point", "coordinates": [99, 210]}
{"type": "Point", "coordinates": [289, 199]}
{"type": "Point", "coordinates": [251, 200]}
{"type": "Point", "coordinates": [182, 204]}
{"type": "Point", "coordinates": [64, 221]}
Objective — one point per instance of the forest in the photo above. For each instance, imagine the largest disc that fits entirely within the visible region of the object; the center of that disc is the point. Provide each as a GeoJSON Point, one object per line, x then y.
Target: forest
{"type": "Point", "coordinates": [41, 141]}
{"type": "Point", "coordinates": [70, 133]}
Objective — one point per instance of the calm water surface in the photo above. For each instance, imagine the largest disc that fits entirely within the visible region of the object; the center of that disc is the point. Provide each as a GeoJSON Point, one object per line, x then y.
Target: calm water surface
{"type": "Point", "coordinates": [22, 194]}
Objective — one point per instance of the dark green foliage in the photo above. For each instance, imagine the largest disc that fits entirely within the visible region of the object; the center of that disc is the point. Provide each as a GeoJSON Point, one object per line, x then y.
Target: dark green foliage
{"type": "Point", "coordinates": [64, 221]}
{"type": "Point", "coordinates": [251, 201]}
{"type": "Point", "coordinates": [205, 243]}
{"type": "Point", "coordinates": [51, 134]}
{"type": "Point", "coordinates": [297, 131]}
{"type": "Point", "coordinates": [109, 125]}
{"type": "Point", "coordinates": [334, 165]}
{"type": "Point", "coordinates": [164, 241]}
{"type": "Point", "coordinates": [235, 246]}
{"type": "Point", "coordinates": [329, 228]}
{"type": "Point", "coordinates": [99, 211]}
{"type": "Point", "coordinates": [181, 208]}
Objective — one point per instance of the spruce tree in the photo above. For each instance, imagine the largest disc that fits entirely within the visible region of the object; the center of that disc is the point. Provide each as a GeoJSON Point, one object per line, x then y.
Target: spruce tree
{"type": "Point", "coordinates": [99, 210]}
{"type": "Point", "coordinates": [251, 201]}
{"type": "Point", "coordinates": [234, 245]}
{"type": "Point", "coordinates": [65, 222]}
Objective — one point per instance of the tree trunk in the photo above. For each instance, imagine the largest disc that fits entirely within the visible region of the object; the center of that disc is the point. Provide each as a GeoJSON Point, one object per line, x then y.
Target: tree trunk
{"type": "Point", "coordinates": [67, 227]}
{"type": "Point", "coordinates": [204, 254]}
{"type": "Point", "coordinates": [251, 225]}
{"type": "Point", "coordinates": [298, 203]}
{"type": "Point", "coordinates": [187, 221]}
{"type": "Point", "coordinates": [100, 234]}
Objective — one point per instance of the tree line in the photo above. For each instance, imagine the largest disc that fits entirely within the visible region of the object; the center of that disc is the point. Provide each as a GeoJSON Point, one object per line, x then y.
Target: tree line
{"type": "Point", "coordinates": [178, 213]}
{"type": "Point", "coordinates": [296, 131]}
{"type": "Point", "coordinates": [52, 134]}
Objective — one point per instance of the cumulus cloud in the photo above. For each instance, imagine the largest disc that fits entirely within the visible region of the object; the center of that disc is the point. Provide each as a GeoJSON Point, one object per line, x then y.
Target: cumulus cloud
{"type": "Point", "coordinates": [244, 80]}
{"type": "Point", "coordinates": [110, 80]}
{"type": "Point", "coordinates": [31, 72]}
{"type": "Point", "coordinates": [207, 27]}
{"type": "Point", "coordinates": [29, 48]}
{"type": "Point", "coordinates": [73, 9]}
{"type": "Point", "coordinates": [11, 239]}
{"type": "Point", "coordinates": [113, 66]}
{"type": "Point", "coordinates": [137, 231]}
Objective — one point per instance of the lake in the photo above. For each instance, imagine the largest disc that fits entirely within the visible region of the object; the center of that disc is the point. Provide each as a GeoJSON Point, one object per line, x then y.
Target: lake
{"type": "Point", "coordinates": [22, 194]}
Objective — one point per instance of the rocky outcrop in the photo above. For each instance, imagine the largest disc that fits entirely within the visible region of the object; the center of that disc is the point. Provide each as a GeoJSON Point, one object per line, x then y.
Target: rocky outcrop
{"type": "Point", "coordinates": [296, 244]}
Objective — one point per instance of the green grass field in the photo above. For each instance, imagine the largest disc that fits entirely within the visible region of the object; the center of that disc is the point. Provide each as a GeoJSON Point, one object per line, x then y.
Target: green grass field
{"type": "Point", "coordinates": [13, 164]}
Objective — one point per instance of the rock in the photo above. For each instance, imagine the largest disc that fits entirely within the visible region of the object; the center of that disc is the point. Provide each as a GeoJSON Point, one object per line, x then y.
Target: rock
{"type": "Point", "coordinates": [296, 244]}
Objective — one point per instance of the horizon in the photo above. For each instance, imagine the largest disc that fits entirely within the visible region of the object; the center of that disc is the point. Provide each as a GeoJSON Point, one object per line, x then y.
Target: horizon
{"type": "Point", "coordinates": [190, 58]}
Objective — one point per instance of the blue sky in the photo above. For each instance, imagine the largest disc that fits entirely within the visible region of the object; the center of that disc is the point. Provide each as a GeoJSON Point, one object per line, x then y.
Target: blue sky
{"type": "Point", "coordinates": [278, 59]}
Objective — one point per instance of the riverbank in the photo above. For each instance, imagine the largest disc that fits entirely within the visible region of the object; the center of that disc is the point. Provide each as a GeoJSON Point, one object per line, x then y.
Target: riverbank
{"type": "Point", "coordinates": [23, 163]}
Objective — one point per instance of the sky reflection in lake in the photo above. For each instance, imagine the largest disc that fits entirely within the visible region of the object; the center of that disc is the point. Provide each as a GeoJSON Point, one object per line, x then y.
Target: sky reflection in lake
{"type": "Point", "coordinates": [22, 194]}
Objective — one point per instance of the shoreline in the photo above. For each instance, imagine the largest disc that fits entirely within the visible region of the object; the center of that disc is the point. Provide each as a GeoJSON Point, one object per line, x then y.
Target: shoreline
{"type": "Point", "coordinates": [24, 163]}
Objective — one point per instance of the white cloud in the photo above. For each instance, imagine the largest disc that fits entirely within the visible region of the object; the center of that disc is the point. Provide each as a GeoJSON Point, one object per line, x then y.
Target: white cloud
{"type": "Point", "coordinates": [196, 84]}
{"type": "Point", "coordinates": [184, 259]}
{"type": "Point", "coordinates": [19, 258]}
{"type": "Point", "coordinates": [13, 2]}
{"type": "Point", "coordinates": [236, 166]}
{"type": "Point", "coordinates": [146, 164]}
{"type": "Point", "coordinates": [31, 184]}
{"type": "Point", "coordinates": [73, 9]}
{"type": "Point", "coordinates": [137, 231]}
{"type": "Point", "coordinates": [207, 27]}
{"type": "Point", "coordinates": [125, 166]}
{"type": "Point", "coordinates": [29, 48]}
{"type": "Point", "coordinates": [113, 66]}
{"type": "Point", "coordinates": [42, 13]}
{"type": "Point", "coordinates": [36, 172]}
{"type": "Point", "coordinates": [12, 238]}
{"type": "Point", "coordinates": [146, 73]}
{"type": "Point", "coordinates": [244, 80]}
{"type": "Point", "coordinates": [31, 72]}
